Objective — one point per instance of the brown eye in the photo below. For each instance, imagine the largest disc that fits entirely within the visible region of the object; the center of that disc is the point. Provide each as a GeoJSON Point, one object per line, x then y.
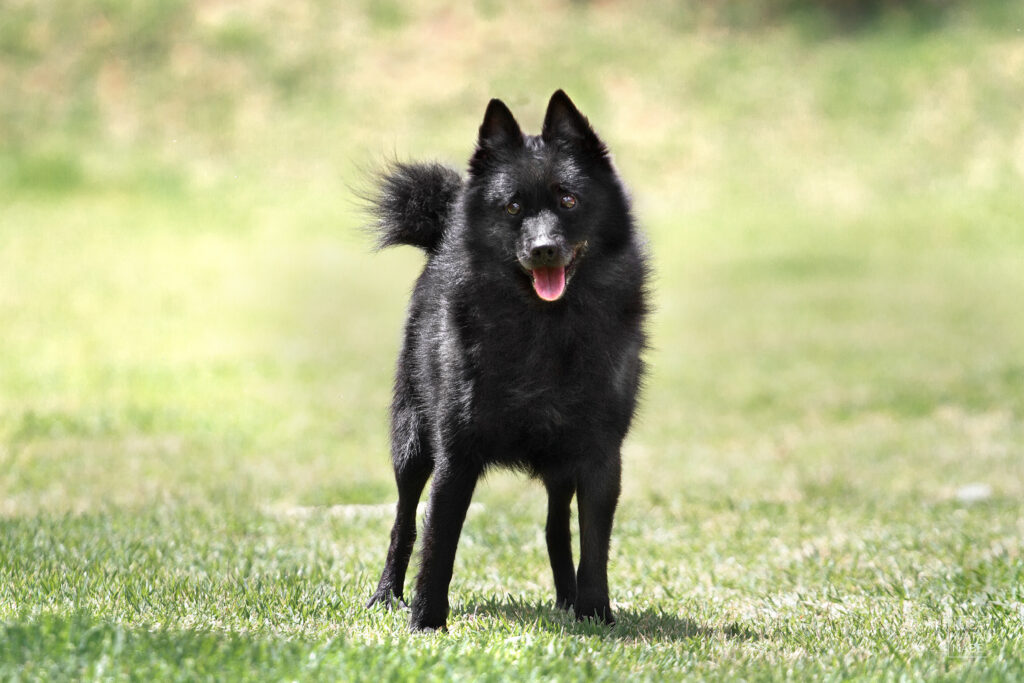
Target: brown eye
{"type": "Point", "coordinates": [568, 200]}
{"type": "Point", "coordinates": [513, 208]}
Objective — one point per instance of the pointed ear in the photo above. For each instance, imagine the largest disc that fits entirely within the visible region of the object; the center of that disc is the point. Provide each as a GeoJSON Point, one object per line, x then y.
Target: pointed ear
{"type": "Point", "coordinates": [499, 128]}
{"type": "Point", "coordinates": [564, 123]}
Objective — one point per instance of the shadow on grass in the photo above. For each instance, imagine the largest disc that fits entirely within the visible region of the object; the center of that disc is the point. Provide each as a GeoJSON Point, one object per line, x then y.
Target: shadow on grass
{"type": "Point", "coordinates": [645, 624]}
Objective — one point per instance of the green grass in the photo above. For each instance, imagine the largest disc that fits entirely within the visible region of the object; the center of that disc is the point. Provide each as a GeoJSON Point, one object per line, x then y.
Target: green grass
{"type": "Point", "coordinates": [826, 479]}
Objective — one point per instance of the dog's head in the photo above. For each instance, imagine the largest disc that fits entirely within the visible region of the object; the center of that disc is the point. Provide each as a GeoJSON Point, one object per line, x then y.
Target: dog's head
{"type": "Point", "coordinates": [542, 204]}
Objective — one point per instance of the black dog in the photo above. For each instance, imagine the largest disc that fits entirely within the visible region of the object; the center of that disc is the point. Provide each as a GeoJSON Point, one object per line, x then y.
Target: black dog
{"type": "Point", "coordinates": [522, 346]}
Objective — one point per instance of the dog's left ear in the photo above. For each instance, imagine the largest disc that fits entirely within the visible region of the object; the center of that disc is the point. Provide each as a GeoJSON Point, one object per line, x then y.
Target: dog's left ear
{"type": "Point", "coordinates": [563, 122]}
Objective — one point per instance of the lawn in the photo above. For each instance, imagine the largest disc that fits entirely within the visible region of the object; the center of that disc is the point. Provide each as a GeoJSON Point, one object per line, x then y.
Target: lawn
{"type": "Point", "coordinates": [826, 479]}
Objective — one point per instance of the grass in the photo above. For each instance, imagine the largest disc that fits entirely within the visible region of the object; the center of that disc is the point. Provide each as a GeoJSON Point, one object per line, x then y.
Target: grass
{"type": "Point", "coordinates": [826, 479]}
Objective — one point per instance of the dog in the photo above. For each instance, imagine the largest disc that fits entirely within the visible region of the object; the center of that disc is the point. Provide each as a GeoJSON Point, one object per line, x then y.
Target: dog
{"type": "Point", "coordinates": [522, 346]}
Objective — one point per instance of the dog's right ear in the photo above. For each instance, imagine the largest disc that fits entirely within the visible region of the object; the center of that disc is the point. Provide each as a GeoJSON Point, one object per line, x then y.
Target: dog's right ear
{"type": "Point", "coordinates": [499, 131]}
{"type": "Point", "coordinates": [499, 128]}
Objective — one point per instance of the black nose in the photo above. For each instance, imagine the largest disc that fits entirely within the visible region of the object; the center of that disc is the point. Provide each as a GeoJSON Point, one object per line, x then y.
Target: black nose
{"type": "Point", "coordinates": [545, 254]}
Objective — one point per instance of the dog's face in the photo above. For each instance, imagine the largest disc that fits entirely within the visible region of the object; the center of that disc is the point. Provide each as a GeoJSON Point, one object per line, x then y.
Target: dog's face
{"type": "Point", "coordinates": [540, 204]}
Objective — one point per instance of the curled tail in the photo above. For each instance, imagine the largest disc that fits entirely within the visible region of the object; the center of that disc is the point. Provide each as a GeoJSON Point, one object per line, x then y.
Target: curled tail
{"type": "Point", "coordinates": [413, 203]}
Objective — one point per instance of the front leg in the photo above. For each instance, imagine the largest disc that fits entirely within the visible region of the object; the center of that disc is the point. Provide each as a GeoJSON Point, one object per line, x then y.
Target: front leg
{"type": "Point", "coordinates": [450, 494]}
{"type": "Point", "coordinates": [559, 540]}
{"type": "Point", "coordinates": [597, 496]}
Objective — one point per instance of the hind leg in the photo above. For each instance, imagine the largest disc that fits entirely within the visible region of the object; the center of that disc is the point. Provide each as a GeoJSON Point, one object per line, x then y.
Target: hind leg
{"type": "Point", "coordinates": [413, 464]}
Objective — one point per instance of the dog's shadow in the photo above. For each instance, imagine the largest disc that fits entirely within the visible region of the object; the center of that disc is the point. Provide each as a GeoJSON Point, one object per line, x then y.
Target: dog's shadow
{"type": "Point", "coordinates": [630, 624]}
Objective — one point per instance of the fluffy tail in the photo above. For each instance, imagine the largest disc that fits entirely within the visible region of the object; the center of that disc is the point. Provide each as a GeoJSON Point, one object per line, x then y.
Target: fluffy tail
{"type": "Point", "coordinates": [413, 203]}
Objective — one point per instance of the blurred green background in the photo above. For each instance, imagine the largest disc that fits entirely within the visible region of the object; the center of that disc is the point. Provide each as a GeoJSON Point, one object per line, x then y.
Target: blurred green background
{"type": "Point", "coordinates": [191, 322]}
{"type": "Point", "coordinates": [832, 193]}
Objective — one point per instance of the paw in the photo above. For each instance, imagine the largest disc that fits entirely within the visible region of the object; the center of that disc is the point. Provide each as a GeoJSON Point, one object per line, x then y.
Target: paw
{"type": "Point", "coordinates": [428, 618]}
{"type": "Point", "coordinates": [387, 599]}
{"type": "Point", "coordinates": [563, 601]}
{"type": "Point", "coordinates": [597, 611]}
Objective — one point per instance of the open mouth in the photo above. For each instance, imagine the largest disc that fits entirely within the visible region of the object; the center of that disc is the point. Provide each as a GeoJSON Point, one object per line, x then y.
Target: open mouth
{"type": "Point", "coordinates": [549, 282]}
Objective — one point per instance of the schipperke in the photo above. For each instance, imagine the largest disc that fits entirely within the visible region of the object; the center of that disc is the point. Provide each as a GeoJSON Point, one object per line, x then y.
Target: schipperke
{"type": "Point", "coordinates": [522, 345]}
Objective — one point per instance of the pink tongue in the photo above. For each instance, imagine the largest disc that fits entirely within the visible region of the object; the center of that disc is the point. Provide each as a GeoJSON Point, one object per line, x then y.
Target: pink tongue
{"type": "Point", "coordinates": [549, 283]}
